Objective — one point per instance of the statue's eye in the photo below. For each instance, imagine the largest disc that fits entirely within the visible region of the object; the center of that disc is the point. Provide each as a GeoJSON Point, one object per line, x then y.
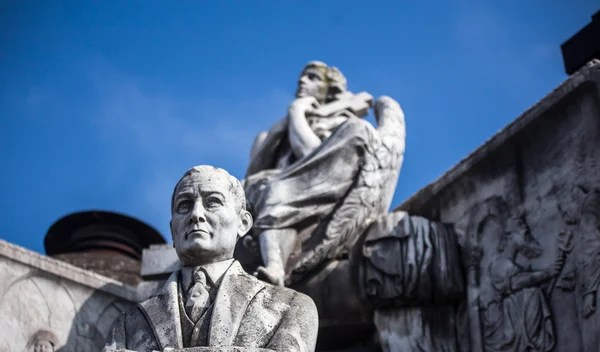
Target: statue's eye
{"type": "Point", "coordinates": [212, 202]}
{"type": "Point", "coordinates": [185, 206]}
{"type": "Point", "coordinates": [314, 77]}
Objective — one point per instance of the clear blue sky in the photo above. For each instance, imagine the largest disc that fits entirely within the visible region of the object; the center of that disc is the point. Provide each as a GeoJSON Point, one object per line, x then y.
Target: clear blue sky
{"type": "Point", "coordinates": [104, 104]}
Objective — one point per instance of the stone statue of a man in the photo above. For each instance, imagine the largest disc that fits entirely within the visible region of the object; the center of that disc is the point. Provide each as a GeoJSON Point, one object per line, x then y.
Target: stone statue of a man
{"type": "Point", "coordinates": [211, 301]}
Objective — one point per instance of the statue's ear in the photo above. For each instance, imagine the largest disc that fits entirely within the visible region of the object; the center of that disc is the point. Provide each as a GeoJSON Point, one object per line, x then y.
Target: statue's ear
{"type": "Point", "coordinates": [245, 223]}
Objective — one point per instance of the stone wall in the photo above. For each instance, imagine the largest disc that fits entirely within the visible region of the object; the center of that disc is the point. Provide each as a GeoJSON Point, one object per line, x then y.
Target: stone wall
{"type": "Point", "coordinates": [46, 301]}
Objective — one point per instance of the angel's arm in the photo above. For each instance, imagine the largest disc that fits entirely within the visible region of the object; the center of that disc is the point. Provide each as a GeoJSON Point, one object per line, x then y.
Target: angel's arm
{"type": "Point", "coordinates": [302, 138]}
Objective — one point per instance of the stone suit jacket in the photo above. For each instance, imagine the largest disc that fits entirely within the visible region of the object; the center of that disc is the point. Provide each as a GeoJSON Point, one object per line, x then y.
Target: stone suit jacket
{"type": "Point", "coordinates": [246, 313]}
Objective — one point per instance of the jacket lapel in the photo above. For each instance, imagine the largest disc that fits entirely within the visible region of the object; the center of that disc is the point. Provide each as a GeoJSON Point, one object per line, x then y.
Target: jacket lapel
{"type": "Point", "coordinates": [162, 313]}
{"type": "Point", "coordinates": [236, 291]}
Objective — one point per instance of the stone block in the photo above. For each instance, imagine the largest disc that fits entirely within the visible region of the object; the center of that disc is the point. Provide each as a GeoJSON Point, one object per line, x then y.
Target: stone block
{"type": "Point", "coordinates": [159, 261]}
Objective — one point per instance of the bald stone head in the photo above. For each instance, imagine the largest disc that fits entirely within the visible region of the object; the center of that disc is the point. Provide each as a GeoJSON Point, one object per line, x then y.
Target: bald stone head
{"type": "Point", "coordinates": [208, 215]}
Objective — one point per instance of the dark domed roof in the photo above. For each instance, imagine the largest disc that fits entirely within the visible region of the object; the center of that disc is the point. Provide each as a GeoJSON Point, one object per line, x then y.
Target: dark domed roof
{"type": "Point", "coordinates": [95, 229]}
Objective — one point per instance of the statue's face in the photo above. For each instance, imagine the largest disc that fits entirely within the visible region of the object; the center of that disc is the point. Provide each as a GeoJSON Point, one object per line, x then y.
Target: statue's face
{"type": "Point", "coordinates": [312, 83]}
{"type": "Point", "coordinates": [206, 219]}
{"type": "Point", "coordinates": [43, 346]}
{"type": "Point", "coordinates": [524, 242]}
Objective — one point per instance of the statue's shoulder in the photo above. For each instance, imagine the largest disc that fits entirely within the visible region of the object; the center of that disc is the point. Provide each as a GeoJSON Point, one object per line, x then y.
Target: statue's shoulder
{"type": "Point", "coordinates": [134, 314]}
{"type": "Point", "coordinates": [132, 319]}
{"type": "Point", "coordinates": [277, 294]}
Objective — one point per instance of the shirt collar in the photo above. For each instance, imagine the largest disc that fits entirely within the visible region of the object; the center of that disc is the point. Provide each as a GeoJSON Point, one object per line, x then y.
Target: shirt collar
{"type": "Point", "coordinates": [214, 272]}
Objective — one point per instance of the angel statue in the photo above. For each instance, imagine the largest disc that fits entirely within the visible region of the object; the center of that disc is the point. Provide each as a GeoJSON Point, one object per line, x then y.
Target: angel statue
{"type": "Point", "coordinates": [322, 174]}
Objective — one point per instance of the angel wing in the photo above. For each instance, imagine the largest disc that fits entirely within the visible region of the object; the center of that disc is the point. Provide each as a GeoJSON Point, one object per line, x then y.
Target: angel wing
{"type": "Point", "coordinates": [369, 198]}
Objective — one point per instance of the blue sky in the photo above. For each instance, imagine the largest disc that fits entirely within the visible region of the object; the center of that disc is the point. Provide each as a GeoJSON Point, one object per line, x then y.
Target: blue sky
{"type": "Point", "coordinates": [104, 104]}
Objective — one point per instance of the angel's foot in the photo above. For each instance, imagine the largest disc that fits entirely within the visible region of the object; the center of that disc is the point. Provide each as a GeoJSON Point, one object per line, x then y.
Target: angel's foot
{"type": "Point", "coordinates": [589, 304]}
{"type": "Point", "coordinates": [271, 274]}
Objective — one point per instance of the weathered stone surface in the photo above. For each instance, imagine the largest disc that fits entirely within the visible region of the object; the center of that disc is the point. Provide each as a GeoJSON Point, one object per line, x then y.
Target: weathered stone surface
{"type": "Point", "coordinates": [120, 268]}
{"type": "Point", "coordinates": [211, 302]}
{"type": "Point", "coordinates": [345, 320]}
{"type": "Point", "coordinates": [159, 261]}
{"type": "Point", "coordinates": [45, 301]}
{"type": "Point", "coordinates": [409, 260]}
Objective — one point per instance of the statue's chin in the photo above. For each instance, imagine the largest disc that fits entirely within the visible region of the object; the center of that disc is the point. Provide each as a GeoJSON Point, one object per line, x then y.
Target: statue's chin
{"type": "Point", "coordinates": [195, 260]}
{"type": "Point", "coordinates": [194, 251]}
{"type": "Point", "coordinates": [200, 254]}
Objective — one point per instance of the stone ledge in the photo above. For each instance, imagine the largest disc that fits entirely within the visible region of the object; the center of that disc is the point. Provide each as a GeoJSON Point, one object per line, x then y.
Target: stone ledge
{"type": "Point", "coordinates": [67, 271]}
{"type": "Point", "coordinates": [159, 261]}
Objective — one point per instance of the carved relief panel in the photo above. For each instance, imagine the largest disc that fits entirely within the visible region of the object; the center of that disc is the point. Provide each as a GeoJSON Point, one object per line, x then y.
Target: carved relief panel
{"type": "Point", "coordinates": [508, 294]}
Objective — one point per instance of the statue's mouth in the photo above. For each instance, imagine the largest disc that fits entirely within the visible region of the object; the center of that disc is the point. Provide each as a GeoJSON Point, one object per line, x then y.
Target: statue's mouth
{"type": "Point", "coordinates": [301, 91]}
{"type": "Point", "coordinates": [196, 233]}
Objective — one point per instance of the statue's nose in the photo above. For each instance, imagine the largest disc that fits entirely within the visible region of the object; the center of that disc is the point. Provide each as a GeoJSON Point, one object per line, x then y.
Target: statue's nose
{"type": "Point", "coordinates": [197, 214]}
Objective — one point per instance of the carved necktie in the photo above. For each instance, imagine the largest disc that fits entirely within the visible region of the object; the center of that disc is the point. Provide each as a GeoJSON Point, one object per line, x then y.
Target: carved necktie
{"type": "Point", "coordinates": [198, 297]}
